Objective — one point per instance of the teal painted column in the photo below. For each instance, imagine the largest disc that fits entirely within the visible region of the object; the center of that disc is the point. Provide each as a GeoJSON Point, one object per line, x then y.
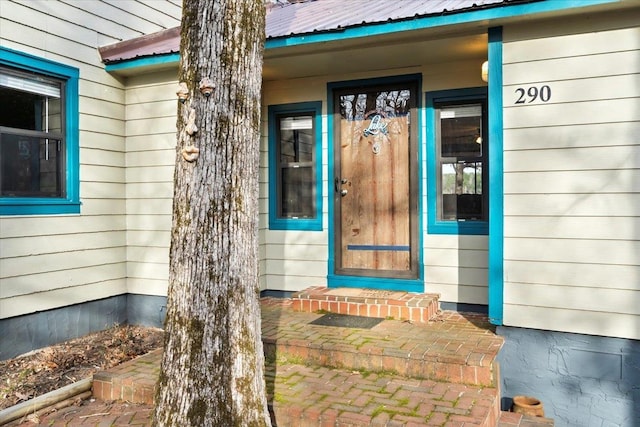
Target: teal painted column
{"type": "Point", "coordinates": [496, 179]}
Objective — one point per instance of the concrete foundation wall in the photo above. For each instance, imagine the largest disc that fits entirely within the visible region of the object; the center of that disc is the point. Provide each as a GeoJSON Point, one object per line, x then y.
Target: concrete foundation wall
{"type": "Point", "coordinates": [21, 334]}
{"type": "Point", "coordinates": [582, 380]}
{"type": "Point", "coordinates": [146, 310]}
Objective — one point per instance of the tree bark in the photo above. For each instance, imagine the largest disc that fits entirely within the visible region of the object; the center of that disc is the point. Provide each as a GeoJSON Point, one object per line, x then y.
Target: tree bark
{"type": "Point", "coordinates": [212, 371]}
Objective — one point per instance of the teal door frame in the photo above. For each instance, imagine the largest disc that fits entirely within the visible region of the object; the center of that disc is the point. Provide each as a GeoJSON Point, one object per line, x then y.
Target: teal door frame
{"type": "Point", "coordinates": [333, 279]}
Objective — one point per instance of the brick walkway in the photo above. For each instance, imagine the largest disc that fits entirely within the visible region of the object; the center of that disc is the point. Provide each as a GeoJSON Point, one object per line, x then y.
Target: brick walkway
{"type": "Point", "coordinates": [396, 374]}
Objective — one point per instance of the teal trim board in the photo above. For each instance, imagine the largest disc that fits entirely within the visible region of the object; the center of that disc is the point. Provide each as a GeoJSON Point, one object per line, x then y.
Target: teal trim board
{"type": "Point", "coordinates": [501, 11]}
{"type": "Point", "coordinates": [435, 226]}
{"type": "Point", "coordinates": [334, 280]}
{"type": "Point", "coordinates": [313, 108]}
{"type": "Point", "coordinates": [496, 179]}
{"type": "Point", "coordinates": [149, 61]}
{"type": "Point", "coordinates": [70, 202]}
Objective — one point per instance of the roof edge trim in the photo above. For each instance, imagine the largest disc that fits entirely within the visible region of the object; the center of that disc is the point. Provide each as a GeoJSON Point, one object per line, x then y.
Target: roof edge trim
{"type": "Point", "coordinates": [142, 62]}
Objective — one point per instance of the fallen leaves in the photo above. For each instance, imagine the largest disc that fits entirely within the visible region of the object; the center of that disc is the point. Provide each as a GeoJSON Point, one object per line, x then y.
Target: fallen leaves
{"type": "Point", "coordinates": [50, 368]}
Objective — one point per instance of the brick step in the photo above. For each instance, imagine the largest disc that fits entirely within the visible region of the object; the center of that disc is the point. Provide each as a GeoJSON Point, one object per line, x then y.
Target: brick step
{"type": "Point", "coordinates": [453, 347]}
{"type": "Point", "coordinates": [399, 305]}
{"type": "Point", "coordinates": [133, 381]}
{"type": "Point", "coordinates": [397, 373]}
{"type": "Point", "coordinates": [303, 395]}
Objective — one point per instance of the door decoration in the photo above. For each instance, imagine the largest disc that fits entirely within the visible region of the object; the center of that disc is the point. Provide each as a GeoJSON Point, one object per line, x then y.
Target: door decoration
{"type": "Point", "coordinates": [377, 126]}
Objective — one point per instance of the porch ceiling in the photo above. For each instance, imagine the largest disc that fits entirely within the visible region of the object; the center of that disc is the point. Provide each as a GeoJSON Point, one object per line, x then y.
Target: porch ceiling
{"type": "Point", "coordinates": [376, 53]}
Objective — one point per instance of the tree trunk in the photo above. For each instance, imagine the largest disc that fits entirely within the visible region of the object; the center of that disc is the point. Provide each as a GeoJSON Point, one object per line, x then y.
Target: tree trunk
{"type": "Point", "coordinates": [212, 371]}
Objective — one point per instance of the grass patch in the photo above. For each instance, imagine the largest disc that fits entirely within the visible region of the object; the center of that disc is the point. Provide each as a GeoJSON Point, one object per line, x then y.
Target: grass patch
{"type": "Point", "coordinates": [379, 410]}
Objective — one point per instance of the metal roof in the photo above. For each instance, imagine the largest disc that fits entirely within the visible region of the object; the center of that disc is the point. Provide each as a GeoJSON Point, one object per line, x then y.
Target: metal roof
{"type": "Point", "coordinates": [286, 19]}
{"type": "Point", "coordinates": [289, 18]}
{"type": "Point", "coordinates": [160, 43]}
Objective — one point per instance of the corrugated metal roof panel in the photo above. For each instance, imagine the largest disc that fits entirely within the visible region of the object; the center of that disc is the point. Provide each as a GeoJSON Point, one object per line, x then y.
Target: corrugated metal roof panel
{"type": "Point", "coordinates": [305, 17]}
{"type": "Point", "coordinates": [160, 43]}
{"type": "Point", "coordinates": [286, 19]}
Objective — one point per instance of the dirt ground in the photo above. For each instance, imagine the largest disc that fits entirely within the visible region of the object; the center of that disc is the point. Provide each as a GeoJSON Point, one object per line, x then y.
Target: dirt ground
{"type": "Point", "coordinates": [50, 368]}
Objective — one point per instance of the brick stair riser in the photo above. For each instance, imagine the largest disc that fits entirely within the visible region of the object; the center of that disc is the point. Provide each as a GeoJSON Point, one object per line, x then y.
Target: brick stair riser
{"type": "Point", "coordinates": [133, 391]}
{"type": "Point", "coordinates": [403, 366]}
{"type": "Point", "coordinates": [387, 310]}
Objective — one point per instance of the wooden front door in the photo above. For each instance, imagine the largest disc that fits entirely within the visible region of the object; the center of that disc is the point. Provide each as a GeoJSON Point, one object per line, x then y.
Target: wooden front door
{"type": "Point", "coordinates": [375, 182]}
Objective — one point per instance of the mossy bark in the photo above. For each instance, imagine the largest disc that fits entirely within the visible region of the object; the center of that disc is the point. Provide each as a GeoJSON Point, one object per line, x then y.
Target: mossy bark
{"type": "Point", "coordinates": [212, 368]}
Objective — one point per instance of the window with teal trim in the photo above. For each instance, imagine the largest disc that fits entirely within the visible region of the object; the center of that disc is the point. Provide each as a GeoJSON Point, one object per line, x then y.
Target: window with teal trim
{"type": "Point", "coordinates": [295, 195]}
{"type": "Point", "coordinates": [457, 144]}
{"type": "Point", "coordinates": [38, 136]}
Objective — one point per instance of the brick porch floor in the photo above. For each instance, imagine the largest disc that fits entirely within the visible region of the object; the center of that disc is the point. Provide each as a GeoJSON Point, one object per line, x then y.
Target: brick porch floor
{"type": "Point", "coordinates": [399, 373]}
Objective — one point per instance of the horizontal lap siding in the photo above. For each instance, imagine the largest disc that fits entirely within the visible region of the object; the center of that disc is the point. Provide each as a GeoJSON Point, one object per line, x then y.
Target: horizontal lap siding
{"type": "Point", "coordinates": [455, 266]}
{"type": "Point", "coordinates": [292, 260]}
{"type": "Point", "coordinates": [54, 261]}
{"type": "Point", "coordinates": [151, 155]}
{"type": "Point", "coordinates": [572, 177]}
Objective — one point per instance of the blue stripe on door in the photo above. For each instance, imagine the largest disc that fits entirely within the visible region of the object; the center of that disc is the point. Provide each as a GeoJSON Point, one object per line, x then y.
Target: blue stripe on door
{"type": "Point", "coordinates": [378, 248]}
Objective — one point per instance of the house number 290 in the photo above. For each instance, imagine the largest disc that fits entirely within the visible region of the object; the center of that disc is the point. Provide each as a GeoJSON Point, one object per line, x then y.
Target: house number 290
{"type": "Point", "coordinates": [532, 93]}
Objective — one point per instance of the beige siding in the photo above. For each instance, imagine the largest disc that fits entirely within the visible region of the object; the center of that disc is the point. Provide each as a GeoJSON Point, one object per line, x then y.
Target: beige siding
{"type": "Point", "coordinates": [95, 284]}
{"type": "Point", "coordinates": [151, 130]}
{"type": "Point", "coordinates": [53, 261]}
{"type": "Point", "coordinates": [572, 180]}
{"type": "Point", "coordinates": [456, 267]}
{"type": "Point", "coordinates": [291, 260]}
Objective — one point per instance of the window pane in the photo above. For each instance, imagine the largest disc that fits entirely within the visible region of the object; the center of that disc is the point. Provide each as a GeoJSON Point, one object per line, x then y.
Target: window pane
{"type": "Point", "coordinates": [363, 105]}
{"type": "Point", "coordinates": [297, 198]}
{"type": "Point", "coordinates": [30, 166]}
{"type": "Point", "coordinates": [461, 131]}
{"type": "Point", "coordinates": [461, 190]}
{"type": "Point", "coordinates": [296, 139]}
{"type": "Point", "coordinates": [29, 111]}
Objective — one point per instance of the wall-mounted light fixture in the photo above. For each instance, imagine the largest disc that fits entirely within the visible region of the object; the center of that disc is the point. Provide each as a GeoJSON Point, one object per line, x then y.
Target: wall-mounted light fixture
{"type": "Point", "coordinates": [485, 71]}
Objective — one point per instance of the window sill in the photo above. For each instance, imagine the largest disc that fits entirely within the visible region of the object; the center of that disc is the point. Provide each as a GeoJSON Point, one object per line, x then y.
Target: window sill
{"type": "Point", "coordinates": [38, 207]}
{"type": "Point", "coordinates": [311, 224]}
{"type": "Point", "coordinates": [459, 227]}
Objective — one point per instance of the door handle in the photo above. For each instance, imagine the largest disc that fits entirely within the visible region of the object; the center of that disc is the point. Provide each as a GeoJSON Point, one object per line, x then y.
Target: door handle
{"type": "Point", "coordinates": [338, 183]}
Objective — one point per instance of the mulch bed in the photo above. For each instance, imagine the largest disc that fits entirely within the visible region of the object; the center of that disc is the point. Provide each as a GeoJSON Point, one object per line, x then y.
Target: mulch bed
{"type": "Point", "coordinates": [39, 372]}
